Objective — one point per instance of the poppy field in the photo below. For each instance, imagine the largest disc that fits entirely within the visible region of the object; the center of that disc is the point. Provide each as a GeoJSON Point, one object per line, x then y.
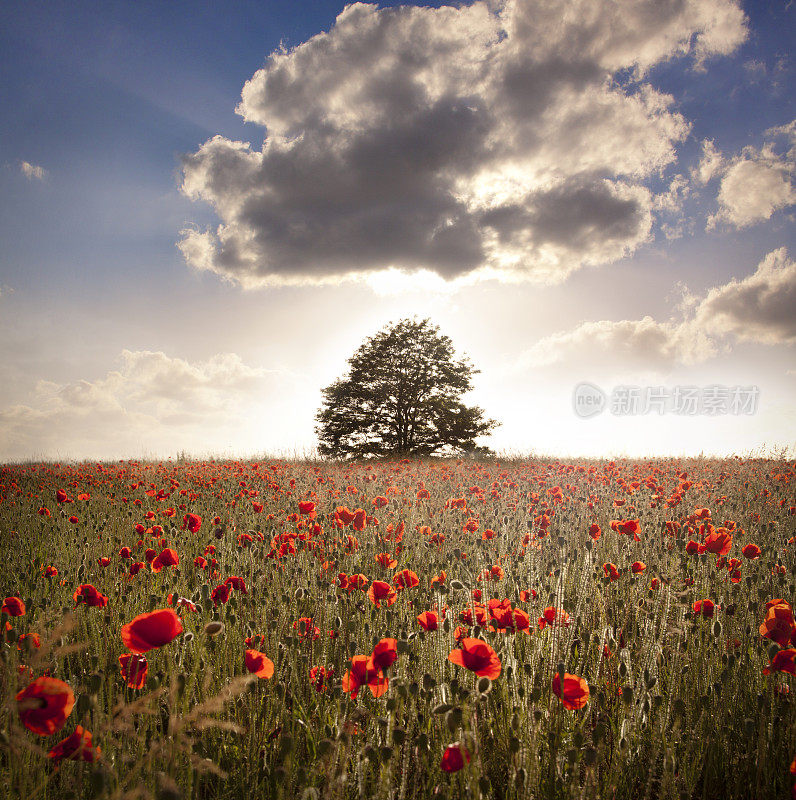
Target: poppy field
{"type": "Point", "coordinates": [398, 629]}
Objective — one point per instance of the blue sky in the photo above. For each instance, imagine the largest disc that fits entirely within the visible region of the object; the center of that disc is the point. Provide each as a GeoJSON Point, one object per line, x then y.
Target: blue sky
{"type": "Point", "coordinates": [102, 104]}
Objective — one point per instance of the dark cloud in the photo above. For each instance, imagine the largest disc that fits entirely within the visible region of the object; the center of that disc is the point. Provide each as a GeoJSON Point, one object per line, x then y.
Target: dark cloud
{"type": "Point", "coordinates": [490, 136]}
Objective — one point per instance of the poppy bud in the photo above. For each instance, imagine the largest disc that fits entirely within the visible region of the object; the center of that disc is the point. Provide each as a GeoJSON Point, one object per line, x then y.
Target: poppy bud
{"type": "Point", "coordinates": [214, 627]}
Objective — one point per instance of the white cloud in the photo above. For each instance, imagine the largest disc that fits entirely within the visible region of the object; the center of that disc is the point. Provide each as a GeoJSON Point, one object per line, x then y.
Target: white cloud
{"type": "Point", "coordinates": [151, 401]}
{"type": "Point", "coordinates": [635, 343]}
{"type": "Point", "coordinates": [33, 172]}
{"type": "Point", "coordinates": [711, 163]}
{"type": "Point", "coordinates": [756, 183]}
{"type": "Point", "coordinates": [492, 138]}
{"type": "Point", "coordinates": [760, 308]}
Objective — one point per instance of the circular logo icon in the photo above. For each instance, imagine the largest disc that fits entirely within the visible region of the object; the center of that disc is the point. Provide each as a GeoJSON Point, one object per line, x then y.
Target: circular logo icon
{"type": "Point", "coordinates": [588, 400]}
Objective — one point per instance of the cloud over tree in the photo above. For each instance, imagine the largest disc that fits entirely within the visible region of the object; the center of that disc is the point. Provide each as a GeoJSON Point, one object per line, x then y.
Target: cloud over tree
{"type": "Point", "coordinates": [515, 138]}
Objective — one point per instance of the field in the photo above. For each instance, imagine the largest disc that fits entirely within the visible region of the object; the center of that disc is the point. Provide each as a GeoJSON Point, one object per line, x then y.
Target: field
{"type": "Point", "coordinates": [398, 629]}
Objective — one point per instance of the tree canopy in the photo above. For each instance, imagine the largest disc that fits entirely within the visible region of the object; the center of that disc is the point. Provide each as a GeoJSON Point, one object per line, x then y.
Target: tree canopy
{"type": "Point", "coordinates": [401, 396]}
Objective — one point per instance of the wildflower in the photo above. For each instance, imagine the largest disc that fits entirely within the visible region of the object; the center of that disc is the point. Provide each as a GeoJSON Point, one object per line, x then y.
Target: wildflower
{"type": "Point", "coordinates": [89, 596]}
{"type": "Point", "coordinates": [363, 672]}
{"type": "Point", "coordinates": [191, 521]}
{"type": "Point", "coordinates": [134, 668]}
{"type": "Point", "coordinates": [554, 616]}
{"type": "Point", "coordinates": [381, 592]}
{"type": "Point", "coordinates": [405, 579]}
{"type": "Point", "coordinates": [454, 758]}
{"type": "Point", "coordinates": [259, 664]}
{"type": "Point", "coordinates": [44, 704]}
{"type": "Point", "coordinates": [751, 551]}
{"type": "Point", "coordinates": [718, 541]}
{"type": "Point", "coordinates": [384, 653]}
{"type": "Point", "coordinates": [78, 746]}
{"type": "Point", "coordinates": [477, 656]}
{"type": "Point", "coordinates": [13, 606]}
{"type": "Point", "coordinates": [576, 691]}
{"type": "Point", "coordinates": [147, 631]}
{"type": "Point", "coordinates": [428, 620]}
{"type": "Point", "coordinates": [783, 661]}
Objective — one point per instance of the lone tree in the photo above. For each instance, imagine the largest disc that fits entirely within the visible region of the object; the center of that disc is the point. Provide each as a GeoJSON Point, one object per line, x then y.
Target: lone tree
{"type": "Point", "coordinates": [401, 397]}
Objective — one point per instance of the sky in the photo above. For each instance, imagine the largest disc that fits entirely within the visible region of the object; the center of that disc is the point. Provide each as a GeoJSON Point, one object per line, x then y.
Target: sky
{"type": "Point", "coordinates": [207, 207]}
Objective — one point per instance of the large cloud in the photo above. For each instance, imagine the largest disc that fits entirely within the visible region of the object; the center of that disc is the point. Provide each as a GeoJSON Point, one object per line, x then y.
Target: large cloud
{"type": "Point", "coordinates": [153, 402]}
{"type": "Point", "coordinates": [492, 137]}
{"type": "Point", "coordinates": [760, 308]}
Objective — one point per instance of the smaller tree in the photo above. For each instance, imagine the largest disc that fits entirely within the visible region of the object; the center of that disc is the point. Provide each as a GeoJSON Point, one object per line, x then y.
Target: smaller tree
{"type": "Point", "coordinates": [401, 396]}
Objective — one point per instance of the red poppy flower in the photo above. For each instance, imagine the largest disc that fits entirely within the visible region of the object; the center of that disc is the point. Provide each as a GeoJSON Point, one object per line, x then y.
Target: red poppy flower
{"type": "Point", "coordinates": [439, 580]}
{"type": "Point", "coordinates": [630, 527]}
{"type": "Point", "coordinates": [405, 579]}
{"type": "Point", "coordinates": [167, 558]}
{"type": "Point", "coordinates": [134, 668]}
{"type": "Point", "coordinates": [61, 496]}
{"type": "Point", "coordinates": [386, 560]}
{"type": "Point", "coordinates": [751, 551]}
{"type": "Point", "coordinates": [363, 672]}
{"type": "Point", "coordinates": [611, 571]}
{"type": "Point", "coordinates": [236, 583]}
{"type": "Point", "coordinates": [384, 653]}
{"type": "Point", "coordinates": [151, 630]}
{"type": "Point", "coordinates": [719, 542]}
{"type": "Point", "coordinates": [454, 758]}
{"type": "Point", "coordinates": [259, 664]}
{"type": "Point", "coordinates": [778, 624]}
{"type": "Point", "coordinates": [522, 621]}
{"type": "Point", "coordinates": [344, 515]}
{"type": "Point", "coordinates": [359, 520]}
{"type": "Point", "coordinates": [595, 531]}
{"type": "Point", "coordinates": [320, 678]}
{"type": "Point", "coordinates": [32, 639]}
{"type": "Point", "coordinates": [638, 566]}
{"type": "Point", "coordinates": [89, 596]}
{"type": "Point", "coordinates": [306, 629]}
{"type": "Point", "coordinates": [44, 704]}
{"type": "Point", "coordinates": [477, 656]}
{"type": "Point", "coordinates": [783, 661]}
{"type": "Point", "coordinates": [704, 607]}
{"type": "Point", "coordinates": [380, 593]}
{"type": "Point", "coordinates": [79, 746]}
{"type": "Point", "coordinates": [13, 606]}
{"type": "Point", "coordinates": [192, 521]}
{"type": "Point", "coordinates": [307, 507]}
{"type": "Point", "coordinates": [220, 594]}
{"type": "Point", "coordinates": [554, 616]}
{"type": "Point", "coordinates": [428, 620]}
{"type": "Point", "coordinates": [576, 691]}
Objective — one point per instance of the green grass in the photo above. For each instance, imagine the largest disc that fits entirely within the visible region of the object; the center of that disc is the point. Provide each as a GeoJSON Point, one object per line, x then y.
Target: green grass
{"type": "Point", "coordinates": [680, 709]}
